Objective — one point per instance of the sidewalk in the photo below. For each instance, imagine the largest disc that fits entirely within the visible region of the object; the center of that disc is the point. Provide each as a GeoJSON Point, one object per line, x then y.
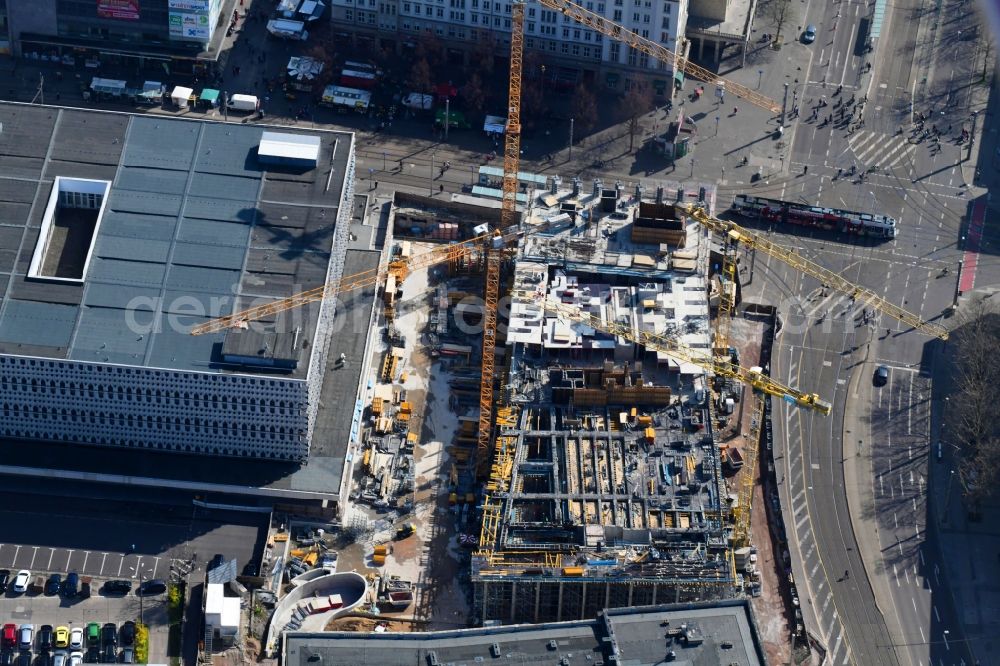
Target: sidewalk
{"type": "Point", "coordinates": [969, 549]}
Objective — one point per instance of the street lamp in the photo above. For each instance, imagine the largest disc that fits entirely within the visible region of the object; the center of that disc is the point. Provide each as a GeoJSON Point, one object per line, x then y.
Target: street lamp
{"type": "Point", "coordinates": [760, 78]}
{"type": "Point", "coordinates": [947, 499]}
{"type": "Point", "coordinates": [717, 126]}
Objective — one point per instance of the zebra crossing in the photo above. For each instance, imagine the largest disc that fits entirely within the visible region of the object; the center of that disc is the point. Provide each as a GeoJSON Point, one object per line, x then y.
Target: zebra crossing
{"type": "Point", "coordinates": [881, 149]}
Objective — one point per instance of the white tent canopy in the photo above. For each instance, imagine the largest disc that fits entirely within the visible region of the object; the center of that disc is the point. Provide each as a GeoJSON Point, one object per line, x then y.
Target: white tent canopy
{"type": "Point", "coordinates": [181, 95]}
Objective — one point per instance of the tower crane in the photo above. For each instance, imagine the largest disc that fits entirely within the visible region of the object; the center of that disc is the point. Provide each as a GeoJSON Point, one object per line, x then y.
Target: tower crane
{"type": "Point", "coordinates": [622, 34]}
{"type": "Point", "coordinates": [754, 377]}
{"type": "Point", "coordinates": [734, 232]}
{"type": "Point", "coordinates": [508, 218]}
{"type": "Point", "coordinates": [399, 268]}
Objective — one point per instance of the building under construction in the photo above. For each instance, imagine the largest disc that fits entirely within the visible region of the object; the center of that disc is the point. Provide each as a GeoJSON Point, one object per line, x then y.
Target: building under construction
{"type": "Point", "coordinates": [606, 487]}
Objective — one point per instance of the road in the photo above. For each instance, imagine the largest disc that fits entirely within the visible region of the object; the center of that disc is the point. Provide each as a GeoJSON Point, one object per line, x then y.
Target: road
{"type": "Point", "coordinates": [857, 515]}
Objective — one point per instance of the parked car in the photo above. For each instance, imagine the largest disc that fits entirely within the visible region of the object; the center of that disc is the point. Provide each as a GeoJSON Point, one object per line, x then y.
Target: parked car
{"type": "Point", "coordinates": [45, 637]}
{"type": "Point", "coordinates": [128, 656]}
{"type": "Point", "coordinates": [53, 584]}
{"type": "Point", "coordinates": [809, 36]}
{"type": "Point", "coordinates": [127, 634]}
{"type": "Point", "coordinates": [4, 579]}
{"type": "Point", "coordinates": [26, 636]}
{"type": "Point", "coordinates": [881, 377]}
{"type": "Point", "coordinates": [71, 586]}
{"type": "Point", "coordinates": [152, 587]}
{"type": "Point", "coordinates": [76, 659]}
{"type": "Point", "coordinates": [44, 659]}
{"type": "Point", "coordinates": [8, 636]}
{"type": "Point", "coordinates": [60, 658]}
{"type": "Point", "coordinates": [93, 633]}
{"type": "Point", "coordinates": [21, 581]}
{"type": "Point", "coordinates": [76, 638]}
{"type": "Point", "coordinates": [24, 658]}
{"type": "Point", "coordinates": [92, 656]}
{"type": "Point", "coordinates": [61, 637]}
{"type": "Point", "coordinates": [7, 658]}
{"type": "Point", "coordinates": [109, 656]}
{"type": "Point", "coordinates": [109, 635]}
{"type": "Point", "coordinates": [117, 587]}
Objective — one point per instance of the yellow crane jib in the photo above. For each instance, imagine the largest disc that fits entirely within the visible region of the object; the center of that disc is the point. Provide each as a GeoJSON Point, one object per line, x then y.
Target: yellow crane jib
{"type": "Point", "coordinates": [861, 295]}
{"type": "Point", "coordinates": [398, 267]}
{"type": "Point", "coordinates": [620, 33]}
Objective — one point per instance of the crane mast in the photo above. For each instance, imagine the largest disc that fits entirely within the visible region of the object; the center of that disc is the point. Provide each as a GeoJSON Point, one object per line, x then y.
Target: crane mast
{"type": "Point", "coordinates": [494, 256]}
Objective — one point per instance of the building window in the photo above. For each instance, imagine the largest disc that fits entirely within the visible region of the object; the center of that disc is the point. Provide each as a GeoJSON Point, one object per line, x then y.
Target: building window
{"type": "Point", "coordinates": [632, 56]}
{"type": "Point", "coordinates": [565, 33]}
{"type": "Point", "coordinates": [645, 18]}
{"type": "Point", "coordinates": [645, 34]}
{"type": "Point", "coordinates": [348, 15]}
{"type": "Point", "coordinates": [531, 12]}
{"type": "Point", "coordinates": [576, 49]}
{"type": "Point", "coordinates": [617, 17]}
{"type": "Point", "coordinates": [531, 28]}
{"type": "Point", "coordinates": [614, 52]}
{"type": "Point", "coordinates": [565, 48]}
{"type": "Point", "coordinates": [506, 23]}
{"type": "Point", "coordinates": [440, 12]}
{"type": "Point", "coordinates": [635, 17]}
{"type": "Point", "coordinates": [576, 34]}
{"type": "Point", "coordinates": [644, 60]}
{"type": "Point", "coordinates": [600, 7]}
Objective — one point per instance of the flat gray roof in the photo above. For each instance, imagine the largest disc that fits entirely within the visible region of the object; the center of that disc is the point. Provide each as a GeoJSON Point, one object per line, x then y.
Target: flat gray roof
{"type": "Point", "coordinates": [194, 223]}
{"type": "Point", "coordinates": [638, 637]}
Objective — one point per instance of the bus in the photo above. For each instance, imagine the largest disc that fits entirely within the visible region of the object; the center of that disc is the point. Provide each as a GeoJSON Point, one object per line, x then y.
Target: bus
{"type": "Point", "coordinates": [346, 98]}
{"type": "Point", "coordinates": [830, 219]}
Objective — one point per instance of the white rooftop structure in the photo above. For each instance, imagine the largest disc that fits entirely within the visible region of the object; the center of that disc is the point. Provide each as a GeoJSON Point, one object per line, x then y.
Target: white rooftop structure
{"type": "Point", "coordinates": [222, 613]}
{"type": "Point", "coordinates": [292, 148]}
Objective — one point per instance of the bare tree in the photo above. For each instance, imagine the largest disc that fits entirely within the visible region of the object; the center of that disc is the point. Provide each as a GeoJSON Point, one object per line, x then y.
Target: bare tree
{"type": "Point", "coordinates": [473, 94]}
{"type": "Point", "coordinates": [634, 104]}
{"type": "Point", "coordinates": [777, 12]}
{"type": "Point", "coordinates": [483, 56]}
{"type": "Point", "coordinates": [989, 49]}
{"type": "Point", "coordinates": [584, 109]}
{"type": "Point", "coordinates": [532, 89]}
{"type": "Point", "coordinates": [430, 48]}
{"type": "Point", "coordinates": [420, 76]}
{"type": "Point", "coordinates": [971, 415]}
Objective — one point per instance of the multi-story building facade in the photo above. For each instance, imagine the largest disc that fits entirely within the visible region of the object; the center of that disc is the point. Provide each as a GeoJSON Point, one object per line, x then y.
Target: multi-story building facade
{"type": "Point", "coordinates": [575, 52]}
{"type": "Point", "coordinates": [186, 34]}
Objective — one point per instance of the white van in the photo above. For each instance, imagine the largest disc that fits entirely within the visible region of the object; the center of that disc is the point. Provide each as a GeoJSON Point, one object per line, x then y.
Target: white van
{"type": "Point", "coordinates": [246, 103]}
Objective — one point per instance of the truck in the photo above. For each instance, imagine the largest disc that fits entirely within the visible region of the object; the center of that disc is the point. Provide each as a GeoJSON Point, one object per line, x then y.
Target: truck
{"type": "Point", "coordinates": [418, 101]}
{"type": "Point", "coordinates": [239, 102]}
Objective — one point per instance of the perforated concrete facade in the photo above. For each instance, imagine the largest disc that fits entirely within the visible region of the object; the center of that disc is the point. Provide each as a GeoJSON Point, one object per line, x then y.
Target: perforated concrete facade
{"type": "Point", "coordinates": [215, 414]}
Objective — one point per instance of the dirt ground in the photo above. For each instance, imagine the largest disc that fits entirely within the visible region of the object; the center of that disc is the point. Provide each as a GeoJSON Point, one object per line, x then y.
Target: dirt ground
{"type": "Point", "coordinates": [430, 558]}
{"type": "Point", "coordinates": [769, 608]}
{"type": "Point", "coordinates": [349, 623]}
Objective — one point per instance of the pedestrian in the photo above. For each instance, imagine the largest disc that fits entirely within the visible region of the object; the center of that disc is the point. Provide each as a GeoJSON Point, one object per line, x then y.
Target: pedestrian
{"type": "Point", "coordinates": [440, 188]}
{"type": "Point", "coordinates": [376, 184]}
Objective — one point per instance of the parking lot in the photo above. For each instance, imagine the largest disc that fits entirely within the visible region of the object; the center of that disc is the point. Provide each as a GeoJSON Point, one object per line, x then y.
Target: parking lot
{"type": "Point", "coordinates": [39, 609]}
{"type": "Point", "coordinates": [113, 539]}
{"type": "Point", "coordinates": [46, 559]}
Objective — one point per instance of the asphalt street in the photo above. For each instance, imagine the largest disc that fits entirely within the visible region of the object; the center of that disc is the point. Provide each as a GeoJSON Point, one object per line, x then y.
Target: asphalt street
{"type": "Point", "coordinates": [856, 483]}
